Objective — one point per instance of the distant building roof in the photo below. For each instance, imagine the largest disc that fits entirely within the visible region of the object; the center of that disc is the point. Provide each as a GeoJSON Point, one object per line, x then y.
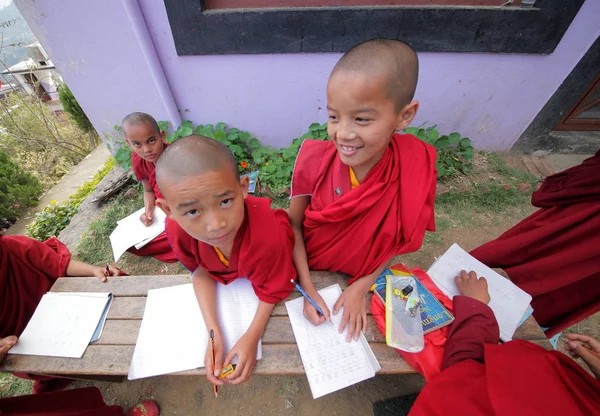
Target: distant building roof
{"type": "Point", "coordinates": [28, 65]}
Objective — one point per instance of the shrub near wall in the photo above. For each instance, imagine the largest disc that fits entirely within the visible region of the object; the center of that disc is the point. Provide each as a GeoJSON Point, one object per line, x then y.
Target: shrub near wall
{"type": "Point", "coordinates": [18, 189]}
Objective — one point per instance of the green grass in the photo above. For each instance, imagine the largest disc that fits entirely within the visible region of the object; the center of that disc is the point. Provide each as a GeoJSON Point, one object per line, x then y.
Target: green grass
{"type": "Point", "coordinates": [280, 201]}
{"type": "Point", "coordinates": [511, 175]}
{"type": "Point", "coordinates": [13, 386]}
{"type": "Point", "coordinates": [96, 248]}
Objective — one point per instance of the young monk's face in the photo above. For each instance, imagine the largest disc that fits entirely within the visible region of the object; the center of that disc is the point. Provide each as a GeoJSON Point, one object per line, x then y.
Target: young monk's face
{"type": "Point", "coordinates": [362, 117]}
{"type": "Point", "coordinates": [209, 206]}
{"type": "Point", "coordinates": [145, 141]}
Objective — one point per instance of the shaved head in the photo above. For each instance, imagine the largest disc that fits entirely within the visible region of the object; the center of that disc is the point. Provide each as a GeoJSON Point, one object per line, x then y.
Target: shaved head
{"type": "Point", "coordinates": [137, 118]}
{"type": "Point", "coordinates": [392, 59]}
{"type": "Point", "coordinates": [192, 156]}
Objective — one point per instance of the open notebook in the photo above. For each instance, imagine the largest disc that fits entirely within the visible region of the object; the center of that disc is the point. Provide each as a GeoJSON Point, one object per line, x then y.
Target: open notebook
{"type": "Point", "coordinates": [173, 336]}
{"type": "Point", "coordinates": [509, 303]}
{"type": "Point", "coordinates": [64, 324]}
{"type": "Point", "coordinates": [130, 232]}
{"type": "Point", "coordinates": [330, 362]}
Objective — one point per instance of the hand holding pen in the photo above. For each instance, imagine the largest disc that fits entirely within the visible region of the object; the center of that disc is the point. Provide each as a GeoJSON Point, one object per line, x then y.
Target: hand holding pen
{"type": "Point", "coordinates": [312, 311]}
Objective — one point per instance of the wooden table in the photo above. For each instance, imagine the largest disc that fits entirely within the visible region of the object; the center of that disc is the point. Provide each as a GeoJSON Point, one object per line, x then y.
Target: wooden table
{"type": "Point", "coordinates": [109, 358]}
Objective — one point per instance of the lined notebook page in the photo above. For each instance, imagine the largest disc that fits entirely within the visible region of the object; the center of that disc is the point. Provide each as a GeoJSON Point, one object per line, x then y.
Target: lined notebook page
{"type": "Point", "coordinates": [330, 362]}
{"type": "Point", "coordinates": [508, 301]}
{"type": "Point", "coordinates": [173, 336]}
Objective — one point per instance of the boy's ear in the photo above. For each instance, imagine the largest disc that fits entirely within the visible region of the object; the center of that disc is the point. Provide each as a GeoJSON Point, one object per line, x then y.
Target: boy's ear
{"type": "Point", "coordinates": [245, 183]}
{"type": "Point", "coordinates": [162, 204]}
{"type": "Point", "coordinates": [163, 136]}
{"type": "Point", "coordinates": [406, 115]}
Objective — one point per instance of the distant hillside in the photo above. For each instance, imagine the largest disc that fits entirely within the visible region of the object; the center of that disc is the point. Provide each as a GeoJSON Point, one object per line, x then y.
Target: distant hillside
{"type": "Point", "coordinates": [15, 35]}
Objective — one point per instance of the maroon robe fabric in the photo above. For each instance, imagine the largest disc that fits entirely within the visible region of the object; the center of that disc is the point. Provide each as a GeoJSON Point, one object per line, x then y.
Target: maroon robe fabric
{"type": "Point", "coordinates": [28, 269]}
{"type": "Point", "coordinates": [554, 254]}
{"type": "Point", "coordinates": [354, 231]}
{"type": "Point", "coordinates": [262, 251]}
{"type": "Point", "coordinates": [516, 378]}
{"type": "Point", "coordinates": [77, 402]}
{"type": "Point", "coordinates": [159, 247]}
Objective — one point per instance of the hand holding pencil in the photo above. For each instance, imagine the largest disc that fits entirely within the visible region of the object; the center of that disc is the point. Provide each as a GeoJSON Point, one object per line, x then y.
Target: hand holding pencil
{"type": "Point", "coordinates": [315, 308]}
{"type": "Point", "coordinates": [587, 348]}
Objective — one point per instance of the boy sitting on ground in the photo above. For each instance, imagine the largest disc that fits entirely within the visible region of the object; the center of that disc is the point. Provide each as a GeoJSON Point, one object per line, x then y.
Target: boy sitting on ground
{"type": "Point", "coordinates": [148, 142]}
{"type": "Point", "coordinates": [366, 195]}
{"type": "Point", "coordinates": [220, 234]}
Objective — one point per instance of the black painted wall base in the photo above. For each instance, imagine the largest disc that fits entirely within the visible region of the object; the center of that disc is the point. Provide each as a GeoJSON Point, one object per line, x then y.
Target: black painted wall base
{"type": "Point", "coordinates": [539, 135]}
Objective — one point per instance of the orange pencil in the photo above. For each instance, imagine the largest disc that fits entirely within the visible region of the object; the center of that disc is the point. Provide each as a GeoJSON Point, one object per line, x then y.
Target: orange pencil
{"type": "Point", "coordinates": [212, 353]}
{"type": "Point", "coordinates": [594, 353]}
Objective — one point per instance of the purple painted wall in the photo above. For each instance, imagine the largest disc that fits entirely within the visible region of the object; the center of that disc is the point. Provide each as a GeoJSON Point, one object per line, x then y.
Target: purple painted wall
{"type": "Point", "coordinates": [491, 98]}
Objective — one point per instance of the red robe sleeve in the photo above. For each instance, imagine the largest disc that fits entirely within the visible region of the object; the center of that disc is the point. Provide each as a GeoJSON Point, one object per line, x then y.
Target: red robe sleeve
{"type": "Point", "coordinates": [474, 326]}
{"type": "Point", "coordinates": [28, 269]}
{"type": "Point", "coordinates": [184, 246]}
{"type": "Point", "coordinates": [306, 168]}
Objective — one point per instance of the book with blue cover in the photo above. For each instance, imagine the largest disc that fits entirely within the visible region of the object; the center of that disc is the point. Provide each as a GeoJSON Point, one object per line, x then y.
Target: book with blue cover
{"type": "Point", "coordinates": [433, 314]}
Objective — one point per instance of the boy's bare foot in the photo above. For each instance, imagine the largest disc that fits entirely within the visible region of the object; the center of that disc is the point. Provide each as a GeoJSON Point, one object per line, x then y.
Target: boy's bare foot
{"type": "Point", "coordinates": [469, 285]}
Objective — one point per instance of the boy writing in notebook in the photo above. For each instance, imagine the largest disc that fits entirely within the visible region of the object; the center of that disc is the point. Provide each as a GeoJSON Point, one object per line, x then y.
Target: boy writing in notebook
{"type": "Point", "coordinates": [480, 377]}
{"type": "Point", "coordinates": [366, 195]}
{"type": "Point", "coordinates": [147, 142]}
{"type": "Point", "coordinates": [220, 233]}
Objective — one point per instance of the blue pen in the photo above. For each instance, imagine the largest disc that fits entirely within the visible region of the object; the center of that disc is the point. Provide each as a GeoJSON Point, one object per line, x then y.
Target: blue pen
{"type": "Point", "coordinates": [312, 302]}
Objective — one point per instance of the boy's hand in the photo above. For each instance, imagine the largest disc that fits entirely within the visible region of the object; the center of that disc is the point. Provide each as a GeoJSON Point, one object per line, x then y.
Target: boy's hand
{"type": "Point", "coordinates": [470, 286]}
{"type": "Point", "coordinates": [310, 312]}
{"type": "Point", "coordinates": [354, 302]}
{"type": "Point", "coordinates": [147, 218]}
{"type": "Point", "coordinates": [578, 346]}
{"type": "Point", "coordinates": [245, 349]}
{"type": "Point", "coordinates": [213, 376]}
{"type": "Point", "coordinates": [101, 273]}
{"type": "Point", "coordinates": [5, 345]}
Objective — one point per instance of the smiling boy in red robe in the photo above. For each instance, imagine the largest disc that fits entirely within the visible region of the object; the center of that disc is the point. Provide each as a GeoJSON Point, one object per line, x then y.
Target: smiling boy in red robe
{"type": "Point", "coordinates": [220, 234]}
{"type": "Point", "coordinates": [366, 195]}
{"type": "Point", "coordinates": [146, 140]}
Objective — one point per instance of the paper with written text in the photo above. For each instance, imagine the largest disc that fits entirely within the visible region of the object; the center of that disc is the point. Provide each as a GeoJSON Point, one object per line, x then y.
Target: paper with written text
{"type": "Point", "coordinates": [508, 301]}
{"type": "Point", "coordinates": [131, 232]}
{"type": "Point", "coordinates": [173, 336]}
{"type": "Point", "coordinates": [330, 362]}
{"type": "Point", "coordinates": [62, 325]}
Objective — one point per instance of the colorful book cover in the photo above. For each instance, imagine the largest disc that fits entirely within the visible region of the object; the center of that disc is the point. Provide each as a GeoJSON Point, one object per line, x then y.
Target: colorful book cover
{"type": "Point", "coordinates": [433, 314]}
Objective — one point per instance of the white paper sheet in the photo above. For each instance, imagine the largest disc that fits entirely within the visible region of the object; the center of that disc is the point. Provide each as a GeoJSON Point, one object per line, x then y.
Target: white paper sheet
{"type": "Point", "coordinates": [131, 232]}
{"type": "Point", "coordinates": [62, 325]}
{"type": "Point", "coordinates": [330, 362]}
{"type": "Point", "coordinates": [173, 336]}
{"type": "Point", "coordinates": [508, 301]}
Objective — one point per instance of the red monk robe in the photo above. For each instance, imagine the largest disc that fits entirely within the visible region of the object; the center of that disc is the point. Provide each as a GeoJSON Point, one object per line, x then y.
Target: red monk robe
{"type": "Point", "coordinates": [481, 377]}
{"type": "Point", "coordinates": [262, 251]}
{"type": "Point", "coordinates": [28, 269]}
{"type": "Point", "coordinates": [354, 231]}
{"type": "Point", "coordinates": [78, 402]}
{"type": "Point", "coordinates": [159, 247]}
{"type": "Point", "coordinates": [554, 254]}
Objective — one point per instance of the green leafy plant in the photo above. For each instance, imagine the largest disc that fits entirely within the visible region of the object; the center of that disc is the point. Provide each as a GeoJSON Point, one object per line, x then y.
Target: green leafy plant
{"type": "Point", "coordinates": [18, 189]}
{"type": "Point", "coordinates": [454, 152]}
{"type": "Point", "coordinates": [72, 107]}
{"type": "Point", "coordinates": [56, 216]}
{"type": "Point", "coordinates": [275, 165]}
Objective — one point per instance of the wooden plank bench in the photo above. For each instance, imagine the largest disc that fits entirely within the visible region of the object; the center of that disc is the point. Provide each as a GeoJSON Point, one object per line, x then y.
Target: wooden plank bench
{"type": "Point", "coordinates": [110, 357]}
